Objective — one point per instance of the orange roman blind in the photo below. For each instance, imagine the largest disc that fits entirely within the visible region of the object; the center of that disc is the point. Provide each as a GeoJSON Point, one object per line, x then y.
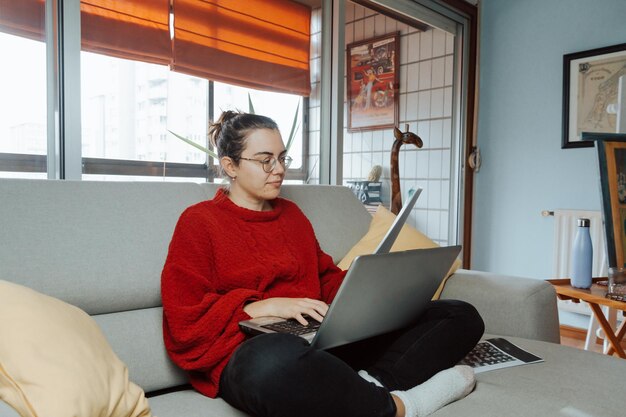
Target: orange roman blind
{"type": "Point", "coordinates": [137, 29]}
{"type": "Point", "coordinates": [262, 44]}
{"type": "Point", "coordinates": [25, 18]}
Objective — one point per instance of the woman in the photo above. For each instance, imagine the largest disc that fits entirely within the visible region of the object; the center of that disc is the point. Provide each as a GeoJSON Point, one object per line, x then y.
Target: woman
{"type": "Point", "coordinates": [249, 253]}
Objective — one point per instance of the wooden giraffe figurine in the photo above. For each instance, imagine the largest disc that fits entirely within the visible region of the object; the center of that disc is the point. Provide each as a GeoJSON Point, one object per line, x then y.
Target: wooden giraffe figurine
{"type": "Point", "coordinates": [401, 138]}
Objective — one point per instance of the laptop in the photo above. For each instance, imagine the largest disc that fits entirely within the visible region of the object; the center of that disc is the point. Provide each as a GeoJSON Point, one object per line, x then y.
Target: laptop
{"type": "Point", "coordinates": [385, 245]}
{"type": "Point", "coordinates": [398, 285]}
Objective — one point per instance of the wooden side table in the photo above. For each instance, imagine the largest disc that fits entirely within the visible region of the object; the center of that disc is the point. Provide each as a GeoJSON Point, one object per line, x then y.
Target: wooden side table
{"type": "Point", "coordinates": [596, 297]}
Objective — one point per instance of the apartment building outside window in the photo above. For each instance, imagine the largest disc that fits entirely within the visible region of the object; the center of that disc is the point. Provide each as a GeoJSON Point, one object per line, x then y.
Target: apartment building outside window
{"type": "Point", "coordinates": [23, 114]}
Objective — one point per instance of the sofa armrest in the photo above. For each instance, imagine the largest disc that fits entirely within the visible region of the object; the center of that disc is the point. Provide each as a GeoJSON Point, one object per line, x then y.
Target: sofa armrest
{"type": "Point", "coordinates": [509, 306]}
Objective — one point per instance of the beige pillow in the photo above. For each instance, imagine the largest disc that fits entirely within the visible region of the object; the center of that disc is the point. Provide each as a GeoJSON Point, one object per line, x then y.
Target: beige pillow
{"type": "Point", "coordinates": [409, 238]}
{"type": "Point", "coordinates": [55, 361]}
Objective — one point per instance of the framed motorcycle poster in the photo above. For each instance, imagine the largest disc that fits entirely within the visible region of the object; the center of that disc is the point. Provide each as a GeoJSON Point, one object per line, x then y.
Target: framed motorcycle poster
{"type": "Point", "coordinates": [372, 83]}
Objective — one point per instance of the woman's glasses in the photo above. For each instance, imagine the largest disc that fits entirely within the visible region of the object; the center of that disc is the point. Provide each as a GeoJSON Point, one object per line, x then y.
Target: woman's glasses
{"type": "Point", "coordinates": [270, 163]}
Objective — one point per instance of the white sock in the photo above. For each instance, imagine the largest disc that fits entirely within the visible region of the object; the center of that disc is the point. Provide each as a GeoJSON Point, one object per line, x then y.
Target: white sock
{"type": "Point", "coordinates": [443, 388]}
{"type": "Point", "coordinates": [366, 376]}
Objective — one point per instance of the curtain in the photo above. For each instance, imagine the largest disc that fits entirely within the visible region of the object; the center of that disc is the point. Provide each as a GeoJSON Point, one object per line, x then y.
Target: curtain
{"type": "Point", "coordinates": [262, 44]}
{"type": "Point", "coordinates": [137, 30]}
{"type": "Point", "coordinates": [23, 18]}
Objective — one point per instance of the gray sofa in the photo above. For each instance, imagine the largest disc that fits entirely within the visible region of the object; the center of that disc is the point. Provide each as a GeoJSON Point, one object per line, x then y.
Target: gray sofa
{"type": "Point", "coordinates": [101, 246]}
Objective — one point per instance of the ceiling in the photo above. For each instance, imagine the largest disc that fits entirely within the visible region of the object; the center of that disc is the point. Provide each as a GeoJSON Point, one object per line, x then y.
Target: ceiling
{"type": "Point", "coordinates": [311, 3]}
{"type": "Point", "coordinates": [318, 3]}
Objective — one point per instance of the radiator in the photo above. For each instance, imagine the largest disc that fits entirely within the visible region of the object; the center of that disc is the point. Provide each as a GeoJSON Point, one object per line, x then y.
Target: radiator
{"type": "Point", "coordinates": [565, 228]}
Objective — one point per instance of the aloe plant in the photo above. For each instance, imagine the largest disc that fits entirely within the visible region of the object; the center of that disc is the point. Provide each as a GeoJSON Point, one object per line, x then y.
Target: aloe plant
{"type": "Point", "coordinates": [196, 145]}
{"type": "Point", "coordinates": [294, 128]}
{"type": "Point", "coordinates": [292, 133]}
{"type": "Point", "coordinates": [250, 105]}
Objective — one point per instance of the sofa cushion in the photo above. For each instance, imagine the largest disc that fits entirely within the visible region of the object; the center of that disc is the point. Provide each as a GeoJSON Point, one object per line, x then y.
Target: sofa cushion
{"type": "Point", "coordinates": [97, 245]}
{"type": "Point", "coordinates": [55, 361]}
{"type": "Point", "coordinates": [190, 403]}
{"type": "Point", "coordinates": [136, 336]}
{"type": "Point", "coordinates": [409, 238]}
{"type": "Point", "coordinates": [569, 383]}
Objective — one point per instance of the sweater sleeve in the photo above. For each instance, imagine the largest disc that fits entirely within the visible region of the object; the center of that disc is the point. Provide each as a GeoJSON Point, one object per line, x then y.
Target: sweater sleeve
{"type": "Point", "coordinates": [331, 276]}
{"type": "Point", "coordinates": [200, 324]}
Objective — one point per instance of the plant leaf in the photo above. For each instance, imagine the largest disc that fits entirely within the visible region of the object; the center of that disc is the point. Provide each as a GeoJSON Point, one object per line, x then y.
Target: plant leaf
{"type": "Point", "coordinates": [310, 174]}
{"type": "Point", "coordinates": [293, 128]}
{"type": "Point", "coordinates": [194, 144]}
{"type": "Point", "coordinates": [250, 105]}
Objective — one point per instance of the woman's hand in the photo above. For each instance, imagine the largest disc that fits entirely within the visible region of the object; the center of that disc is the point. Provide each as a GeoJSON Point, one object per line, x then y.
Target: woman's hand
{"type": "Point", "coordinates": [288, 308]}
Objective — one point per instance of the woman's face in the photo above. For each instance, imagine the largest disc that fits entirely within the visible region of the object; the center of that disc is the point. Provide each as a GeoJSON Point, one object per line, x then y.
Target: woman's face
{"type": "Point", "coordinates": [251, 186]}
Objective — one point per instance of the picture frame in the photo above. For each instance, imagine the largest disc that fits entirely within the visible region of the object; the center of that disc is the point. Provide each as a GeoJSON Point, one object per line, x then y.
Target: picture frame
{"type": "Point", "coordinates": [611, 151]}
{"type": "Point", "coordinates": [372, 83]}
{"type": "Point", "coordinates": [590, 80]}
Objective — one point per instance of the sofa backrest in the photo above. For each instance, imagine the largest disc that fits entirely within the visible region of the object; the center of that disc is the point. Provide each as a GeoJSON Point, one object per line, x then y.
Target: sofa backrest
{"type": "Point", "coordinates": [97, 245]}
{"type": "Point", "coordinates": [101, 246]}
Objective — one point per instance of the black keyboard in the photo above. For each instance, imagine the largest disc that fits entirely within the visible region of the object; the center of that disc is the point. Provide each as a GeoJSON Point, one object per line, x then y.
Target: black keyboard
{"type": "Point", "coordinates": [294, 327]}
{"type": "Point", "coordinates": [486, 354]}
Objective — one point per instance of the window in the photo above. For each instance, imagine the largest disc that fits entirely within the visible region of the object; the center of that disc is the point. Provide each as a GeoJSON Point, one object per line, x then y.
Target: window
{"type": "Point", "coordinates": [130, 98]}
{"type": "Point", "coordinates": [127, 105]}
{"type": "Point", "coordinates": [23, 114]}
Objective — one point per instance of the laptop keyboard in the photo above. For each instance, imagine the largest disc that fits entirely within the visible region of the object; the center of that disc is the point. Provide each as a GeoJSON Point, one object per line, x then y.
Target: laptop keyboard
{"type": "Point", "coordinates": [294, 327]}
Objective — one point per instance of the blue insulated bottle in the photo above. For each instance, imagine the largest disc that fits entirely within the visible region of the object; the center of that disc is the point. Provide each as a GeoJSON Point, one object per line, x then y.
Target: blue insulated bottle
{"type": "Point", "coordinates": [582, 254]}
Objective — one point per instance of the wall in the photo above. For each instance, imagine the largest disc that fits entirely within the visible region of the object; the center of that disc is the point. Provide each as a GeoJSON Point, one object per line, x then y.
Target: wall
{"type": "Point", "coordinates": [524, 168]}
{"type": "Point", "coordinates": [425, 104]}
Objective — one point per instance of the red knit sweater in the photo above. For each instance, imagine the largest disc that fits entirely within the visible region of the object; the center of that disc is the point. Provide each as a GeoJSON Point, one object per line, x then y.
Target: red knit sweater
{"type": "Point", "coordinates": [222, 256]}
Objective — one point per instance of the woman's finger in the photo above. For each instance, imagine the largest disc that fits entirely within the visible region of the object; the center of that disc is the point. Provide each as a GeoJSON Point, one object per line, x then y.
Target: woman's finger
{"type": "Point", "coordinates": [315, 315]}
{"type": "Point", "coordinates": [319, 306]}
{"type": "Point", "coordinates": [301, 319]}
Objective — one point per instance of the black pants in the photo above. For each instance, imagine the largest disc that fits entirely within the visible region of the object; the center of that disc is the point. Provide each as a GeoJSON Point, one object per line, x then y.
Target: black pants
{"type": "Point", "coordinates": [280, 375]}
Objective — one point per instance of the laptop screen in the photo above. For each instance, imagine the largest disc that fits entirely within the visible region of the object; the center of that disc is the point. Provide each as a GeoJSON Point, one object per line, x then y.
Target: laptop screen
{"type": "Point", "coordinates": [387, 242]}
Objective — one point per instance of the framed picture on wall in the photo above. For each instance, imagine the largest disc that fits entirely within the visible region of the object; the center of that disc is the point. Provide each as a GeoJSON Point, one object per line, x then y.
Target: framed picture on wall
{"type": "Point", "coordinates": [611, 149]}
{"type": "Point", "coordinates": [590, 82]}
{"type": "Point", "coordinates": [372, 83]}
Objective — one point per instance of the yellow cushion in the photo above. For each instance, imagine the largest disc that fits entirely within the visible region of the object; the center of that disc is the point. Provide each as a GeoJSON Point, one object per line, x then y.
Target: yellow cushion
{"type": "Point", "coordinates": [55, 361]}
{"type": "Point", "coordinates": [409, 238]}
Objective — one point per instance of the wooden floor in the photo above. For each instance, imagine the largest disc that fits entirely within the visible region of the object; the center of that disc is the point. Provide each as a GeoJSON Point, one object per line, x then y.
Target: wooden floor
{"type": "Point", "coordinates": [575, 337]}
{"type": "Point", "coordinates": [578, 343]}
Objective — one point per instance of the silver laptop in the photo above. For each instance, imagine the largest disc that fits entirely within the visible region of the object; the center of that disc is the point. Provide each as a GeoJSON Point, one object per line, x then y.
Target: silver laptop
{"type": "Point", "coordinates": [385, 245]}
{"type": "Point", "coordinates": [380, 293]}
{"type": "Point", "coordinates": [413, 266]}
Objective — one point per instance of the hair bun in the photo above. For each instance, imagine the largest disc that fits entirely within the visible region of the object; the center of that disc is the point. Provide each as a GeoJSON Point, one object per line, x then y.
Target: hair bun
{"type": "Point", "coordinates": [228, 115]}
{"type": "Point", "coordinates": [216, 128]}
